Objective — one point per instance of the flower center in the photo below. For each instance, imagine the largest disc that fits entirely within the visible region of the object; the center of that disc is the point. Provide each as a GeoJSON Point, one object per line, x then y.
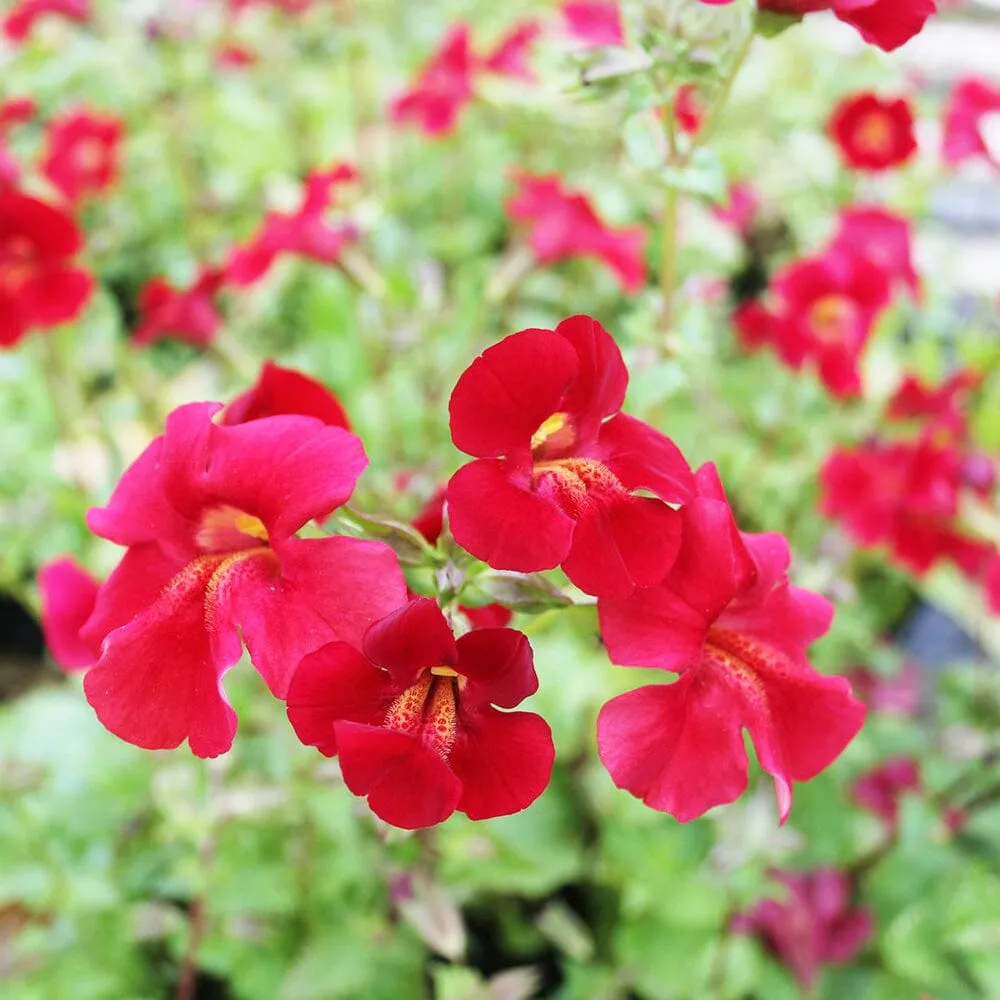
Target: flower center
{"type": "Point", "coordinates": [874, 134]}
{"type": "Point", "coordinates": [228, 529]}
{"type": "Point", "coordinates": [575, 482]}
{"type": "Point", "coordinates": [88, 156]}
{"type": "Point", "coordinates": [428, 710]}
{"type": "Point", "coordinates": [555, 433]}
{"type": "Point", "coordinates": [832, 317]}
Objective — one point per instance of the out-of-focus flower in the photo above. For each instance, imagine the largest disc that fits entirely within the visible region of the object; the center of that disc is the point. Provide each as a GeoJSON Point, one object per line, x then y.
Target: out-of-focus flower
{"type": "Point", "coordinates": [941, 404]}
{"type": "Point", "coordinates": [687, 109]}
{"type": "Point", "coordinates": [991, 583]}
{"type": "Point", "coordinates": [814, 925]}
{"type": "Point", "coordinates": [740, 209]}
{"type": "Point", "coordinates": [40, 285]}
{"type": "Point", "coordinates": [19, 22]}
{"type": "Point", "coordinates": [188, 314]}
{"type": "Point", "coordinates": [509, 57]}
{"type": "Point", "coordinates": [872, 133]}
{"type": "Point", "coordinates": [593, 23]}
{"type": "Point", "coordinates": [884, 238]}
{"type": "Point", "coordinates": [280, 391]}
{"type": "Point", "coordinates": [898, 694]}
{"type": "Point", "coordinates": [880, 788]}
{"type": "Point", "coordinates": [415, 720]}
{"type": "Point", "coordinates": [68, 595]}
{"type": "Point", "coordinates": [306, 232]}
{"type": "Point", "coordinates": [235, 57]}
{"type": "Point", "coordinates": [563, 224]}
{"type": "Point", "coordinates": [729, 622]}
{"type": "Point", "coordinates": [81, 155]}
{"type": "Point", "coordinates": [443, 88]}
{"type": "Point", "coordinates": [971, 100]}
{"type": "Point", "coordinates": [558, 467]}
{"type": "Point", "coordinates": [209, 516]}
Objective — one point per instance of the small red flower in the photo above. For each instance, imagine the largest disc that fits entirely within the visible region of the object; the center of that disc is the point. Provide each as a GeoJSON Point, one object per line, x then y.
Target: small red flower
{"type": "Point", "coordinates": [209, 515]}
{"type": "Point", "coordinates": [509, 57]}
{"type": "Point", "coordinates": [415, 720]}
{"type": "Point", "coordinates": [688, 109]}
{"type": "Point", "coordinates": [991, 583]}
{"type": "Point", "coordinates": [20, 21]}
{"type": "Point", "coordinates": [443, 87]}
{"type": "Point", "coordinates": [563, 224]}
{"type": "Point", "coordinates": [942, 405]}
{"type": "Point", "coordinates": [884, 238]}
{"type": "Point", "coordinates": [235, 57]}
{"type": "Point", "coordinates": [280, 391]}
{"type": "Point", "coordinates": [39, 282]}
{"type": "Point", "coordinates": [872, 133]}
{"type": "Point", "coordinates": [82, 153]}
{"type": "Point", "coordinates": [188, 314]}
{"type": "Point", "coordinates": [68, 595]}
{"type": "Point", "coordinates": [558, 466]}
{"type": "Point", "coordinates": [741, 208]}
{"type": "Point", "coordinates": [594, 23]}
{"type": "Point", "coordinates": [971, 99]}
{"type": "Point", "coordinates": [815, 924]}
{"type": "Point", "coordinates": [727, 620]}
{"type": "Point", "coordinates": [881, 788]}
{"type": "Point", "coordinates": [306, 232]}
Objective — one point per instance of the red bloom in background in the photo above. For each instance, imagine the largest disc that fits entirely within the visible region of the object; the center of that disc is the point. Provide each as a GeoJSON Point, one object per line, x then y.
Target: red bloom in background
{"type": "Point", "coordinates": [68, 595]}
{"type": "Point", "coordinates": [558, 466]}
{"type": "Point", "coordinates": [415, 722]}
{"type": "Point", "coordinates": [443, 86]}
{"type": "Point", "coordinates": [687, 109]}
{"type": "Point", "coordinates": [562, 224]}
{"type": "Point", "coordinates": [727, 620]}
{"type": "Point", "coordinates": [872, 133]}
{"type": "Point", "coordinates": [884, 238]}
{"type": "Point", "coordinates": [209, 515]}
{"type": "Point", "coordinates": [81, 156]}
{"type": "Point", "coordinates": [740, 210]}
{"type": "Point", "coordinates": [39, 283]}
{"type": "Point", "coordinates": [991, 583]}
{"type": "Point", "coordinates": [20, 21]}
{"type": "Point", "coordinates": [942, 405]}
{"type": "Point", "coordinates": [188, 314]}
{"type": "Point", "coordinates": [830, 305]}
{"type": "Point", "coordinates": [279, 391]}
{"type": "Point", "coordinates": [814, 925]}
{"type": "Point", "coordinates": [509, 57]}
{"type": "Point", "coordinates": [594, 23]}
{"type": "Point", "coordinates": [235, 57]}
{"type": "Point", "coordinates": [897, 694]}
{"type": "Point", "coordinates": [904, 495]}
{"type": "Point", "coordinates": [880, 788]}
{"type": "Point", "coordinates": [306, 232]}
{"type": "Point", "coordinates": [971, 99]}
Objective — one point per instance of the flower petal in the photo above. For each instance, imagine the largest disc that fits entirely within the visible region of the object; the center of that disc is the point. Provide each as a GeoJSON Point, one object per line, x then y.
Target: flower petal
{"type": "Point", "coordinates": [499, 666]}
{"type": "Point", "coordinates": [68, 593]}
{"type": "Point", "coordinates": [411, 639]}
{"type": "Point", "coordinates": [643, 458]}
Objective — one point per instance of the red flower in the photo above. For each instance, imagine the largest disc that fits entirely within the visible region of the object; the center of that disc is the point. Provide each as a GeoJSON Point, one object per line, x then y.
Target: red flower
{"type": "Point", "coordinates": [188, 314]}
{"type": "Point", "coordinates": [82, 153]}
{"type": "Point", "coordinates": [971, 100]}
{"type": "Point", "coordinates": [68, 595]}
{"type": "Point", "coordinates": [991, 583]}
{"type": "Point", "coordinates": [829, 305]}
{"type": "Point", "coordinates": [687, 109]}
{"type": "Point", "coordinates": [280, 391]}
{"type": "Point", "coordinates": [904, 495]}
{"type": "Point", "coordinates": [872, 133]}
{"type": "Point", "coordinates": [941, 404]}
{"type": "Point", "coordinates": [39, 283]}
{"type": "Point", "coordinates": [209, 516]}
{"type": "Point", "coordinates": [305, 232]}
{"type": "Point", "coordinates": [881, 788]}
{"type": "Point", "coordinates": [20, 21]}
{"type": "Point", "coordinates": [413, 719]}
{"type": "Point", "coordinates": [594, 23]}
{"type": "Point", "coordinates": [563, 224]}
{"type": "Point", "coordinates": [727, 620]}
{"type": "Point", "coordinates": [884, 238]}
{"type": "Point", "coordinates": [235, 57]}
{"type": "Point", "coordinates": [813, 926]}
{"type": "Point", "coordinates": [740, 210]}
{"type": "Point", "coordinates": [509, 57]}
{"type": "Point", "coordinates": [443, 87]}
{"type": "Point", "coordinates": [558, 466]}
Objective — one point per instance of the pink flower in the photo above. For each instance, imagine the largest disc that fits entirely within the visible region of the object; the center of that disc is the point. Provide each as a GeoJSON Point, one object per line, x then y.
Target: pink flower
{"type": "Point", "coordinates": [884, 238]}
{"type": "Point", "coordinates": [509, 57]}
{"type": "Point", "coordinates": [970, 101]}
{"type": "Point", "coordinates": [68, 594]}
{"type": "Point", "coordinates": [741, 208]}
{"type": "Point", "coordinates": [594, 23]}
{"type": "Point", "coordinates": [880, 788]}
{"type": "Point", "coordinates": [19, 22]}
{"type": "Point", "coordinates": [898, 694]}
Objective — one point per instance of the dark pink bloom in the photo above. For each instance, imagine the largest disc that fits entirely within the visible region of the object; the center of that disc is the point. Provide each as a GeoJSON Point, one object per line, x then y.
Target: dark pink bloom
{"type": "Point", "coordinates": [509, 57]}
{"type": "Point", "coordinates": [443, 87]}
{"type": "Point", "coordinates": [81, 155]}
{"type": "Point", "coordinates": [992, 583]}
{"type": "Point", "coordinates": [814, 925]}
{"type": "Point", "coordinates": [209, 516]}
{"type": "Point", "coordinates": [881, 788]}
{"type": "Point", "coordinates": [562, 224]}
{"type": "Point", "coordinates": [897, 694]}
{"type": "Point", "coordinates": [68, 594]}
{"type": "Point", "coordinates": [594, 23]}
{"type": "Point", "coordinates": [884, 238]}
{"type": "Point", "coordinates": [728, 621]}
{"type": "Point", "coordinates": [306, 232]}
{"type": "Point", "coordinates": [279, 391]}
{"type": "Point", "coordinates": [558, 468]}
{"type": "Point", "coordinates": [188, 314]}
{"type": "Point", "coordinates": [19, 22]}
{"type": "Point", "coordinates": [971, 100]}
{"type": "Point", "coordinates": [740, 210]}
{"type": "Point", "coordinates": [942, 405]}
{"type": "Point", "coordinates": [415, 720]}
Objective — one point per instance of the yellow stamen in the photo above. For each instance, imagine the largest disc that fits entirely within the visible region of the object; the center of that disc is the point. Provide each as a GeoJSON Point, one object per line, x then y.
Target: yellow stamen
{"type": "Point", "coordinates": [444, 672]}
{"type": "Point", "coordinates": [549, 426]}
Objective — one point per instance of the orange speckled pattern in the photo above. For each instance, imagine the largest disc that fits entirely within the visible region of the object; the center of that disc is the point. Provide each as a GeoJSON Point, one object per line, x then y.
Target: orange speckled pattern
{"type": "Point", "coordinates": [428, 711]}
{"type": "Point", "coordinates": [575, 482]}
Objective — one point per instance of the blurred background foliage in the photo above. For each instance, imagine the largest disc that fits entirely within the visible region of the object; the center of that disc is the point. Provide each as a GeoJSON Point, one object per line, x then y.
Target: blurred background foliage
{"type": "Point", "coordinates": [123, 871]}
